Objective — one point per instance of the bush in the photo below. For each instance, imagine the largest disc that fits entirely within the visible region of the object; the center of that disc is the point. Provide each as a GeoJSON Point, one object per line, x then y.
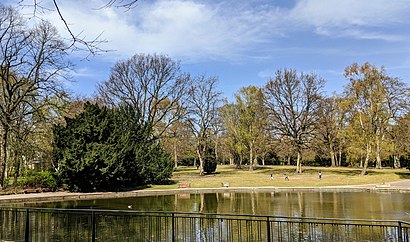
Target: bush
{"type": "Point", "coordinates": [43, 179]}
{"type": "Point", "coordinates": [210, 166]}
{"type": "Point", "coordinates": [210, 161]}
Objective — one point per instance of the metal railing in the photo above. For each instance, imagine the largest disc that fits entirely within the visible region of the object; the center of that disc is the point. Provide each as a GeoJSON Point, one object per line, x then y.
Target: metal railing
{"type": "Point", "coordinates": [42, 224]}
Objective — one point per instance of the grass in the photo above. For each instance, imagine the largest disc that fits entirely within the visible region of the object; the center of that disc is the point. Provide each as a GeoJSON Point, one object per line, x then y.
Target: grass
{"type": "Point", "coordinates": [260, 177]}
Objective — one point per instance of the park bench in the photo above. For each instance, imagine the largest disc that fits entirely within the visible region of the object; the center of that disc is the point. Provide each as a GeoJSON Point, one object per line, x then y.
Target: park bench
{"type": "Point", "coordinates": [225, 184]}
{"type": "Point", "coordinates": [184, 185]}
{"type": "Point", "coordinates": [35, 190]}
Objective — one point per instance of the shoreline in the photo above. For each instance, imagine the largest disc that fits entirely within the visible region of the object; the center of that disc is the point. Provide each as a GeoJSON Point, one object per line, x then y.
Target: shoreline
{"type": "Point", "coordinates": [399, 186]}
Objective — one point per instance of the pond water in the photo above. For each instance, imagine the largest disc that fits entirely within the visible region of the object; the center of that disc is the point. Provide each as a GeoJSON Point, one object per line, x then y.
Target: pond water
{"type": "Point", "coordinates": [349, 205]}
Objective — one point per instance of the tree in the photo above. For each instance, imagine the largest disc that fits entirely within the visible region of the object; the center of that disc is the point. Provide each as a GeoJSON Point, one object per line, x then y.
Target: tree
{"type": "Point", "coordinates": [151, 84]}
{"type": "Point", "coordinates": [229, 114]}
{"type": "Point", "coordinates": [30, 73]}
{"type": "Point", "coordinates": [77, 41]}
{"type": "Point", "coordinates": [328, 134]}
{"type": "Point", "coordinates": [375, 100]}
{"type": "Point", "coordinates": [250, 109]}
{"type": "Point", "coordinates": [292, 101]}
{"type": "Point", "coordinates": [203, 105]}
{"type": "Point", "coordinates": [245, 122]}
{"type": "Point", "coordinates": [110, 148]}
{"type": "Point", "coordinates": [179, 141]}
{"type": "Point", "coordinates": [400, 135]}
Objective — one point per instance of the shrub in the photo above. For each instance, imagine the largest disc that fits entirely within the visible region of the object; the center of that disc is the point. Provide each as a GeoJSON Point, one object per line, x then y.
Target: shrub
{"type": "Point", "coordinates": [210, 161]}
{"type": "Point", "coordinates": [43, 179]}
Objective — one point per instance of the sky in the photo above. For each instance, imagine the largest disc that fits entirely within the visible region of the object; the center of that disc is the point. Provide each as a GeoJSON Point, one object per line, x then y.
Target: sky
{"type": "Point", "coordinates": [242, 42]}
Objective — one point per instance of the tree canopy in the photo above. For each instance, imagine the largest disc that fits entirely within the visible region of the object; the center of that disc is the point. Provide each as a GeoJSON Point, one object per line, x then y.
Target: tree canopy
{"type": "Point", "coordinates": [108, 149]}
{"type": "Point", "coordinates": [292, 100]}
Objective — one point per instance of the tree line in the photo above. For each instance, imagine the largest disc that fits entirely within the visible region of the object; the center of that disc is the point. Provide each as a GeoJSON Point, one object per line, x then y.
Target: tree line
{"type": "Point", "coordinates": [150, 116]}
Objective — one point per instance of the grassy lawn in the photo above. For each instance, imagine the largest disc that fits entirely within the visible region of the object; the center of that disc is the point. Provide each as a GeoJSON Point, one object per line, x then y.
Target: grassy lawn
{"type": "Point", "coordinates": [260, 177]}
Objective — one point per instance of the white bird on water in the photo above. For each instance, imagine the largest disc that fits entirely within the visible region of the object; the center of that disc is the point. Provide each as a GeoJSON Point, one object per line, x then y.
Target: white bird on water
{"type": "Point", "coordinates": [129, 206]}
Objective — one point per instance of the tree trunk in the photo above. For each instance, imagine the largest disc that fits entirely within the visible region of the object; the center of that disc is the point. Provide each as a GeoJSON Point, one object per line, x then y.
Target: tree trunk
{"type": "Point", "coordinates": [339, 162]}
{"type": "Point", "coordinates": [289, 160]}
{"type": "Point", "coordinates": [16, 172]}
{"type": "Point", "coordinates": [263, 160]}
{"type": "Point", "coordinates": [396, 160]}
{"type": "Point", "coordinates": [299, 162]}
{"type": "Point", "coordinates": [366, 161]}
{"type": "Point", "coordinates": [332, 157]}
{"type": "Point", "coordinates": [378, 151]}
{"type": "Point", "coordinates": [239, 166]}
{"type": "Point", "coordinates": [332, 154]}
{"type": "Point", "coordinates": [250, 157]}
{"type": "Point", "coordinates": [3, 164]}
{"type": "Point", "coordinates": [175, 155]}
{"type": "Point", "coordinates": [201, 160]}
{"type": "Point", "coordinates": [216, 150]}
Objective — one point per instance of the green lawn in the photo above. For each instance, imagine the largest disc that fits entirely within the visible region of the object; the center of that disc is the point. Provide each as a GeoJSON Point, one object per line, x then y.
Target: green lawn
{"type": "Point", "coordinates": [260, 177]}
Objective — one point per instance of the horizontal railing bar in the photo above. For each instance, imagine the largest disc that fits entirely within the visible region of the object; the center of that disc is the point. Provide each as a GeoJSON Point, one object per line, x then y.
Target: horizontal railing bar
{"type": "Point", "coordinates": [220, 215]}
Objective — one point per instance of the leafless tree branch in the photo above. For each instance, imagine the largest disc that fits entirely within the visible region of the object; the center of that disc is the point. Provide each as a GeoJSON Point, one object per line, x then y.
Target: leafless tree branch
{"type": "Point", "coordinates": [78, 41]}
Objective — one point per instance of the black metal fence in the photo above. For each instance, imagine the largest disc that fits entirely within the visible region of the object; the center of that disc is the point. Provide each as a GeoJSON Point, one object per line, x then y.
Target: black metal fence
{"type": "Point", "coordinates": [42, 224]}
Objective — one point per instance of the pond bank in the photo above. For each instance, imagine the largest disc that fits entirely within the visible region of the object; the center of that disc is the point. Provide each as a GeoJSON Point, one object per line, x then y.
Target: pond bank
{"type": "Point", "coordinates": [398, 186]}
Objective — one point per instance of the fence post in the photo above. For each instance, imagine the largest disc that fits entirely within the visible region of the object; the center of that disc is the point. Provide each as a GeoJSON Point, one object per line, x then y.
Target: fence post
{"type": "Point", "coordinates": [173, 227]}
{"type": "Point", "coordinates": [27, 230]}
{"type": "Point", "coordinates": [400, 239]}
{"type": "Point", "coordinates": [268, 228]}
{"type": "Point", "coordinates": [93, 226]}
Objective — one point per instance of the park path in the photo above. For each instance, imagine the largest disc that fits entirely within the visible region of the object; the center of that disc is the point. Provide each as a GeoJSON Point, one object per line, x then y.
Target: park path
{"type": "Point", "coordinates": [396, 186]}
{"type": "Point", "coordinates": [401, 184]}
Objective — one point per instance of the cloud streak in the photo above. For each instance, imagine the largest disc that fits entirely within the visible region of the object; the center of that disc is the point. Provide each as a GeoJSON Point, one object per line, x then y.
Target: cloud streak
{"type": "Point", "coordinates": [365, 19]}
{"type": "Point", "coordinates": [195, 31]}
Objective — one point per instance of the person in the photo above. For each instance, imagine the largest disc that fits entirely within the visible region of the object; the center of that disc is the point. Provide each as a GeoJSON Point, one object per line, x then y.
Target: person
{"type": "Point", "coordinates": [320, 175]}
{"type": "Point", "coordinates": [286, 178]}
{"type": "Point", "coordinates": [271, 176]}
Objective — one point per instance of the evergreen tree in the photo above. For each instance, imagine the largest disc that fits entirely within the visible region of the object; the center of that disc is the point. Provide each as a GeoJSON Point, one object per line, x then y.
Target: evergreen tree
{"type": "Point", "coordinates": [210, 161]}
{"type": "Point", "coordinates": [108, 149]}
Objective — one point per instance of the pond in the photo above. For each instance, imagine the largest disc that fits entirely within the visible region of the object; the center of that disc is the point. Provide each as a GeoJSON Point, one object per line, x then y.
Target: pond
{"type": "Point", "coordinates": [349, 205]}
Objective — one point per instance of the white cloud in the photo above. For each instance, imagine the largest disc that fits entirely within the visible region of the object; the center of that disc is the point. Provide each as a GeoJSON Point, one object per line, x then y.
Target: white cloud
{"type": "Point", "coordinates": [188, 30]}
{"type": "Point", "coordinates": [194, 30]}
{"type": "Point", "coordinates": [351, 18]}
{"type": "Point", "coordinates": [267, 73]}
{"type": "Point", "coordinates": [350, 12]}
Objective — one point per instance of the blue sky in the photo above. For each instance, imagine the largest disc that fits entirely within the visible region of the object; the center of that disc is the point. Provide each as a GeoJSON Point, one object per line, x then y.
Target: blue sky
{"type": "Point", "coordinates": [242, 42]}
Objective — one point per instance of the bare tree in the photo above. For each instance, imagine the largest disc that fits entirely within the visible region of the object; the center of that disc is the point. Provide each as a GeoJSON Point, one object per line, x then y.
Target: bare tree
{"type": "Point", "coordinates": [152, 84]}
{"type": "Point", "coordinates": [30, 73]}
{"type": "Point", "coordinates": [77, 40]}
{"type": "Point", "coordinates": [204, 101]}
{"type": "Point", "coordinates": [292, 100]}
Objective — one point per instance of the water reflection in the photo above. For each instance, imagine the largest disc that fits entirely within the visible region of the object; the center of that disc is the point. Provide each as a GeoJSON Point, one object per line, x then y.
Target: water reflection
{"type": "Point", "coordinates": [362, 205]}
